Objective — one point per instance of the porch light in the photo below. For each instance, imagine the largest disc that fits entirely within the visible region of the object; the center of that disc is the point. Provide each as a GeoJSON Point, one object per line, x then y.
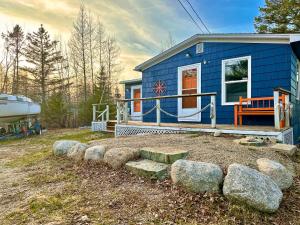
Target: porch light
{"type": "Point", "coordinates": [188, 55]}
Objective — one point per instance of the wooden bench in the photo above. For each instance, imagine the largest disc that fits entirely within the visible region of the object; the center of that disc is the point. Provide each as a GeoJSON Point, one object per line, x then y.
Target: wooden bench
{"type": "Point", "coordinates": [256, 107]}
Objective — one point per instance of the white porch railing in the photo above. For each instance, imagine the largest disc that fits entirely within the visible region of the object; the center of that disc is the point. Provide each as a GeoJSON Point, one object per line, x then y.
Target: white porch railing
{"type": "Point", "coordinates": [102, 116]}
{"type": "Point", "coordinates": [123, 115]}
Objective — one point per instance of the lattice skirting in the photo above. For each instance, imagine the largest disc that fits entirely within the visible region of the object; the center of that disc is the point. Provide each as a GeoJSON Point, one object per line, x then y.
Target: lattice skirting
{"type": "Point", "coordinates": [99, 126]}
{"type": "Point", "coordinates": [123, 130]}
{"type": "Point", "coordinates": [288, 136]}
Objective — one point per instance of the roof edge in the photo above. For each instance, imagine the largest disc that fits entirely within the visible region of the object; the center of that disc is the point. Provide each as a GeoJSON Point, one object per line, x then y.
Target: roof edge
{"type": "Point", "coordinates": [231, 38]}
{"type": "Point", "coordinates": [132, 81]}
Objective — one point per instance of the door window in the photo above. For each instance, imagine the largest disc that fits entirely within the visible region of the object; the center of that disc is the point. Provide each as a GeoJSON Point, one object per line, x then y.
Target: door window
{"type": "Point", "coordinates": [137, 104]}
{"type": "Point", "coordinates": [189, 86]}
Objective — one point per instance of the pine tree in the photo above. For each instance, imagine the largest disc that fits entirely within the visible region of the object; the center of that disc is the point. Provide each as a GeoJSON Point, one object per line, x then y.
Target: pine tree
{"type": "Point", "coordinates": [279, 16]}
{"type": "Point", "coordinates": [42, 57]}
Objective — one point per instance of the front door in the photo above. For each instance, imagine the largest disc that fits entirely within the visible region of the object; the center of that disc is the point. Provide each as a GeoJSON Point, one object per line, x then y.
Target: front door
{"type": "Point", "coordinates": [136, 106]}
{"type": "Point", "coordinates": [189, 82]}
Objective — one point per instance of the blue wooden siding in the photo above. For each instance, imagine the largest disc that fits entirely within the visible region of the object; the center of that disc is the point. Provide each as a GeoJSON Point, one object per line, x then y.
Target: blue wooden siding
{"type": "Point", "coordinates": [271, 67]}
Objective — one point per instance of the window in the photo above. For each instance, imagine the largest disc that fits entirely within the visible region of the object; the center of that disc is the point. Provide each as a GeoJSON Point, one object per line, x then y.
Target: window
{"type": "Point", "coordinates": [199, 48]}
{"type": "Point", "coordinates": [297, 80]}
{"type": "Point", "coordinates": [236, 79]}
{"type": "Point", "coordinates": [189, 86]}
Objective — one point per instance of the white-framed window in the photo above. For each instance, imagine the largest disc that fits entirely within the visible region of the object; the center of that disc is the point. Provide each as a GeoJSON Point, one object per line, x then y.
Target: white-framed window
{"type": "Point", "coordinates": [236, 79]}
{"type": "Point", "coordinates": [297, 80]}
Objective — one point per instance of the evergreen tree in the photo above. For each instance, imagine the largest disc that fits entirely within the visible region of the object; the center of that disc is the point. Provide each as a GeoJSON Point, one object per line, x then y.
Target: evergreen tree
{"type": "Point", "coordinates": [279, 16]}
{"type": "Point", "coordinates": [42, 56]}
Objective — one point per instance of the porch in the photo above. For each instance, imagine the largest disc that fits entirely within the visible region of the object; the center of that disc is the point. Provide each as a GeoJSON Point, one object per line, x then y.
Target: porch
{"type": "Point", "coordinates": [125, 124]}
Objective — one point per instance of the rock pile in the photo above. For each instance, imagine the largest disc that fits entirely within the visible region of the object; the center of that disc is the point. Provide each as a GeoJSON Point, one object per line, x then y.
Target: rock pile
{"type": "Point", "coordinates": [260, 189]}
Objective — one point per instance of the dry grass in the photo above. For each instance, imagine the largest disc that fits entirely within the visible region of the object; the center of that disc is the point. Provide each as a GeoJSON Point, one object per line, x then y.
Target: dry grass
{"type": "Point", "coordinates": [43, 188]}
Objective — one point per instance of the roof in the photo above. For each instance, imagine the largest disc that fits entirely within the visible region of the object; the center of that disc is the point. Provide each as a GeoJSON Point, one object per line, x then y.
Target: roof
{"type": "Point", "coordinates": [238, 38]}
{"type": "Point", "coordinates": [133, 81]}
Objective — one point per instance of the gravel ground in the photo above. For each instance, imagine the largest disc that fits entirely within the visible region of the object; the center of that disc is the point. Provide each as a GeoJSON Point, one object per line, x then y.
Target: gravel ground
{"type": "Point", "coordinates": [38, 188]}
{"type": "Point", "coordinates": [205, 148]}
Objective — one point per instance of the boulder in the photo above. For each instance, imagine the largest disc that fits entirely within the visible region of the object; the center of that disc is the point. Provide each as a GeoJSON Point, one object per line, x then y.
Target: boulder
{"type": "Point", "coordinates": [282, 177]}
{"type": "Point", "coordinates": [117, 157]}
{"type": "Point", "coordinates": [248, 186]}
{"type": "Point", "coordinates": [197, 176]}
{"type": "Point", "coordinates": [250, 141]}
{"type": "Point", "coordinates": [77, 151]}
{"type": "Point", "coordinates": [285, 149]}
{"type": "Point", "coordinates": [62, 147]}
{"type": "Point", "coordinates": [95, 153]}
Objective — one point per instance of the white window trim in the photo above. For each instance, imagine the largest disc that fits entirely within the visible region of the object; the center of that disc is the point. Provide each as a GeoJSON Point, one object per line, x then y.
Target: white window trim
{"type": "Point", "coordinates": [298, 81]}
{"type": "Point", "coordinates": [240, 81]}
{"type": "Point", "coordinates": [180, 111]}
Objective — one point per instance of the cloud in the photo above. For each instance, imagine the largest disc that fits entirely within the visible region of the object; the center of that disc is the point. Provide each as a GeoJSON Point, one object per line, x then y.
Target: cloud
{"type": "Point", "coordinates": [139, 26]}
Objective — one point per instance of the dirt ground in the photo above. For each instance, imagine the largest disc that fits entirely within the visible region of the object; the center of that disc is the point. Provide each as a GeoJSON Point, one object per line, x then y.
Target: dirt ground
{"type": "Point", "coordinates": [38, 188]}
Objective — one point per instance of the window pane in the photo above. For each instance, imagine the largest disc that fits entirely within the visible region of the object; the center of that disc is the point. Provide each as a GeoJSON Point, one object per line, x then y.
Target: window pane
{"type": "Point", "coordinates": [236, 70]}
{"type": "Point", "coordinates": [189, 79]}
{"type": "Point", "coordinates": [189, 102]}
{"type": "Point", "coordinates": [137, 104]}
{"type": "Point", "coordinates": [235, 90]}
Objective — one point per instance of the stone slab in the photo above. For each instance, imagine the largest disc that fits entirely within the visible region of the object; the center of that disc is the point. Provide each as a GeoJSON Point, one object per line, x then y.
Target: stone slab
{"type": "Point", "coordinates": [285, 149]}
{"type": "Point", "coordinates": [163, 155]}
{"type": "Point", "coordinates": [148, 168]}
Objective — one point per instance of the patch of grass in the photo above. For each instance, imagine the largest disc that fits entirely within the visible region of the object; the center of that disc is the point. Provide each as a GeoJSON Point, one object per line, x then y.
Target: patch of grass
{"type": "Point", "coordinates": [29, 159]}
{"type": "Point", "coordinates": [41, 178]}
{"type": "Point", "coordinates": [46, 204]}
{"type": "Point", "coordinates": [85, 136]}
{"type": "Point", "coordinates": [43, 209]}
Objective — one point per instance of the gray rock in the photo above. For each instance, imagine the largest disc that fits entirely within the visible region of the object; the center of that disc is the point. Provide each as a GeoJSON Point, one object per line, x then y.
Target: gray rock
{"type": "Point", "coordinates": [197, 176]}
{"type": "Point", "coordinates": [248, 186]}
{"type": "Point", "coordinates": [251, 141]}
{"type": "Point", "coordinates": [282, 177]}
{"type": "Point", "coordinates": [285, 149]}
{"type": "Point", "coordinates": [118, 157]}
{"type": "Point", "coordinates": [62, 147]}
{"type": "Point", "coordinates": [95, 153]}
{"type": "Point", "coordinates": [217, 133]}
{"type": "Point", "coordinates": [77, 151]}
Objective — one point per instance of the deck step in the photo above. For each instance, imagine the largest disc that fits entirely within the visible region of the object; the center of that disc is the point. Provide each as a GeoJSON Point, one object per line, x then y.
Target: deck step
{"type": "Point", "coordinates": [163, 155]}
{"type": "Point", "coordinates": [148, 168]}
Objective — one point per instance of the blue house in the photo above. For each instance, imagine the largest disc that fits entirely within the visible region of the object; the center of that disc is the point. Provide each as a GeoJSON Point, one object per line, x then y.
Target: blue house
{"type": "Point", "coordinates": [230, 65]}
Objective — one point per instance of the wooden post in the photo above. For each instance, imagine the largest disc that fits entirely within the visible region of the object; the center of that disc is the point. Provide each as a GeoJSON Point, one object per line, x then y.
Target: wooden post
{"type": "Point", "coordinates": [118, 113]}
{"type": "Point", "coordinates": [236, 115]}
{"type": "Point", "coordinates": [94, 112]}
{"type": "Point", "coordinates": [213, 111]}
{"type": "Point", "coordinates": [107, 112]}
{"type": "Point", "coordinates": [276, 110]}
{"type": "Point", "coordinates": [102, 117]}
{"type": "Point", "coordinates": [126, 112]}
{"type": "Point", "coordinates": [158, 112]}
{"type": "Point", "coordinates": [287, 110]}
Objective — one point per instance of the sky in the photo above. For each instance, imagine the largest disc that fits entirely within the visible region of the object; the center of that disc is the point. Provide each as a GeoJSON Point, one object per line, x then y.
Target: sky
{"type": "Point", "coordinates": [140, 26]}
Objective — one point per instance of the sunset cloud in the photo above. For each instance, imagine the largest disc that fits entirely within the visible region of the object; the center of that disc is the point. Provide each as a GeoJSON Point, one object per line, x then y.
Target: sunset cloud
{"type": "Point", "coordinates": [139, 25]}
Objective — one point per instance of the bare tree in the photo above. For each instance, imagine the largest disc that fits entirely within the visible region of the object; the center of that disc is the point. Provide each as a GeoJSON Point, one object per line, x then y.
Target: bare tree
{"type": "Point", "coordinates": [112, 60]}
{"type": "Point", "coordinates": [91, 40]}
{"type": "Point", "coordinates": [168, 43]}
{"type": "Point", "coordinates": [15, 40]}
{"type": "Point", "coordinates": [7, 63]}
{"type": "Point", "coordinates": [79, 46]}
